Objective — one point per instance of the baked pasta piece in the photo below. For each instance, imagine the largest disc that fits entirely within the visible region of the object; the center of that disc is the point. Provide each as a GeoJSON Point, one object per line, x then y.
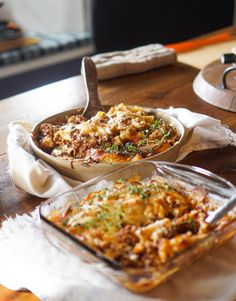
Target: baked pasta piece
{"type": "Point", "coordinates": [122, 134]}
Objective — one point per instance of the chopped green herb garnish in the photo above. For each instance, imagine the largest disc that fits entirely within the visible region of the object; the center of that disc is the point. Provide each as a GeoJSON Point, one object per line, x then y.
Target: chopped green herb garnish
{"type": "Point", "coordinates": [194, 224]}
{"type": "Point", "coordinates": [166, 186]}
{"type": "Point", "coordinates": [121, 181]}
{"type": "Point", "coordinates": [111, 218]}
{"type": "Point", "coordinates": [156, 125]}
{"type": "Point", "coordinates": [130, 147]}
{"type": "Point", "coordinates": [114, 148]}
{"type": "Point", "coordinates": [110, 148]}
{"type": "Point", "coordinates": [142, 142]}
{"type": "Point", "coordinates": [143, 191]}
{"type": "Point", "coordinates": [89, 224]}
{"type": "Point", "coordinates": [168, 134]}
{"type": "Point", "coordinates": [65, 222]}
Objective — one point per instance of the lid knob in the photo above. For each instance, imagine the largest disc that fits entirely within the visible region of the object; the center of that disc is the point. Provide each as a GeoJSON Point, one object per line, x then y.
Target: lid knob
{"type": "Point", "coordinates": [228, 58]}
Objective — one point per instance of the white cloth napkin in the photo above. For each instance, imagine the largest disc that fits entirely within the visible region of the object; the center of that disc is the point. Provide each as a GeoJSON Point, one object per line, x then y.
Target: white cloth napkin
{"type": "Point", "coordinates": [136, 60]}
{"type": "Point", "coordinates": [38, 178]}
{"type": "Point", "coordinates": [29, 173]}
{"type": "Point", "coordinates": [28, 259]}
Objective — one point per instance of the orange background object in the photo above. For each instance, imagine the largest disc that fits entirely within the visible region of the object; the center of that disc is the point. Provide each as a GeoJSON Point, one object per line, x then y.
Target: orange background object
{"type": "Point", "coordinates": [194, 44]}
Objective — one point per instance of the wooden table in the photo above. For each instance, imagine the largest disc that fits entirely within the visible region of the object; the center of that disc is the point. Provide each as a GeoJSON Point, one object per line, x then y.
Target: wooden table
{"type": "Point", "coordinates": [164, 87]}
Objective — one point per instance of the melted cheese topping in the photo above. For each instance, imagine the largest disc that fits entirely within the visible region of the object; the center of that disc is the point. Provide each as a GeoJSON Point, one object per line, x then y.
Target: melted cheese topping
{"type": "Point", "coordinates": [138, 224]}
{"type": "Point", "coordinates": [120, 135]}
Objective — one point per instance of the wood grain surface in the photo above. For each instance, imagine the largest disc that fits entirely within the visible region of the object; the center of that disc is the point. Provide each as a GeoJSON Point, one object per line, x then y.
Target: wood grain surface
{"type": "Point", "coordinates": [164, 87]}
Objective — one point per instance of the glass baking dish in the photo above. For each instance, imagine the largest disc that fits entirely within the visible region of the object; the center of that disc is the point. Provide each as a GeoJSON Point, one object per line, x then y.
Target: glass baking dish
{"type": "Point", "coordinates": [136, 279]}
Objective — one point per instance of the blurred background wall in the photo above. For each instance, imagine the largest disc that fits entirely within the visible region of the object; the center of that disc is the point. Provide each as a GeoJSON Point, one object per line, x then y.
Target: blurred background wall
{"type": "Point", "coordinates": [114, 24]}
{"type": "Point", "coordinates": [60, 29]}
{"type": "Point", "coordinates": [123, 24]}
{"type": "Point", "coordinates": [51, 15]}
{"type": "Point", "coordinates": [126, 24]}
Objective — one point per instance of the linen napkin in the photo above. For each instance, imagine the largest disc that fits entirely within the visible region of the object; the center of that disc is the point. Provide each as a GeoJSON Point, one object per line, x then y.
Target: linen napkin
{"type": "Point", "coordinates": [38, 178]}
{"type": "Point", "coordinates": [29, 174]}
{"type": "Point", "coordinates": [136, 60]}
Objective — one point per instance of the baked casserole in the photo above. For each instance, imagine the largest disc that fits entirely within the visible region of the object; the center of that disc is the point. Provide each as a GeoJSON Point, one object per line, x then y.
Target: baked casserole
{"type": "Point", "coordinates": [123, 134]}
{"type": "Point", "coordinates": [141, 223]}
